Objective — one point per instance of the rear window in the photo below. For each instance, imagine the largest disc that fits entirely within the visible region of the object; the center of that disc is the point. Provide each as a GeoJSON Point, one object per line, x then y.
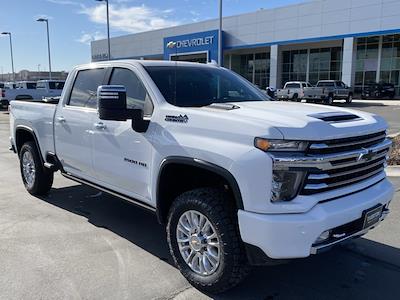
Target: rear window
{"type": "Point", "coordinates": [31, 85]}
{"type": "Point", "coordinates": [325, 84]}
{"type": "Point", "coordinates": [292, 85]}
{"type": "Point", "coordinates": [84, 91]}
{"type": "Point", "coordinates": [56, 85]}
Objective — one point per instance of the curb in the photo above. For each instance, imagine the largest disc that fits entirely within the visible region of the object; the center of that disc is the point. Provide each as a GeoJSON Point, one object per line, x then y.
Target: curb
{"type": "Point", "coordinates": [393, 171]}
{"type": "Point", "coordinates": [393, 135]}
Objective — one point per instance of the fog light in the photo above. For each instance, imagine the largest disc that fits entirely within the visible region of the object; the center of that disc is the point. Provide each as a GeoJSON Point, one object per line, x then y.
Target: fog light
{"type": "Point", "coordinates": [323, 237]}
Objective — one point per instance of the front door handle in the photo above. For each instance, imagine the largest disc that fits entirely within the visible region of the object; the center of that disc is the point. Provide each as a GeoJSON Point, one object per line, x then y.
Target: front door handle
{"type": "Point", "coordinates": [100, 126]}
{"type": "Point", "coordinates": [61, 119]}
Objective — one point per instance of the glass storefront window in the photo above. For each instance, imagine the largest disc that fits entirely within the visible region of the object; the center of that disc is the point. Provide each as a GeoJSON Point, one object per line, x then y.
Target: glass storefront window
{"type": "Point", "coordinates": [255, 67]}
{"type": "Point", "coordinates": [366, 61]}
{"type": "Point", "coordinates": [390, 61]}
{"type": "Point", "coordinates": [324, 63]}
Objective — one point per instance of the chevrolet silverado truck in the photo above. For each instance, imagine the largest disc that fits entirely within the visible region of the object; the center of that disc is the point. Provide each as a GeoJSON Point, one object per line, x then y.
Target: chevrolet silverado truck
{"type": "Point", "coordinates": [237, 179]}
{"type": "Point", "coordinates": [326, 91]}
{"type": "Point", "coordinates": [293, 90]}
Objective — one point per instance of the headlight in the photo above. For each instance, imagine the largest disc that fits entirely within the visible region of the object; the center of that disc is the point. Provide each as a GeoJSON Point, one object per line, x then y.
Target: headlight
{"type": "Point", "coordinates": [279, 145]}
{"type": "Point", "coordinates": [285, 185]}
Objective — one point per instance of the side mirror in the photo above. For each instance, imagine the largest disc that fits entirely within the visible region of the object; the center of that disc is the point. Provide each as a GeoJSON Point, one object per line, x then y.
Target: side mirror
{"type": "Point", "coordinates": [112, 106]}
{"type": "Point", "coordinates": [111, 103]}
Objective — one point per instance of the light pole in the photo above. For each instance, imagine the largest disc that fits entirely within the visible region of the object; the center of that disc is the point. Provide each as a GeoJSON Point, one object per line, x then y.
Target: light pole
{"type": "Point", "coordinates": [48, 41]}
{"type": "Point", "coordinates": [220, 34]}
{"type": "Point", "coordinates": [11, 50]}
{"type": "Point", "coordinates": [108, 28]}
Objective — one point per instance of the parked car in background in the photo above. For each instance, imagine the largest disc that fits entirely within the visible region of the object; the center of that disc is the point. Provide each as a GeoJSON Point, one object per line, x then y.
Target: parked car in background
{"type": "Point", "coordinates": [28, 85]}
{"type": "Point", "coordinates": [327, 91]}
{"type": "Point", "coordinates": [235, 178]}
{"type": "Point", "coordinates": [378, 90]}
{"type": "Point", "coordinates": [293, 90]}
{"type": "Point", "coordinates": [31, 90]}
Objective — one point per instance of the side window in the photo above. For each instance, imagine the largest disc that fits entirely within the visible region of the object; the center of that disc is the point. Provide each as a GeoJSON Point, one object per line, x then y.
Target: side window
{"type": "Point", "coordinates": [136, 94]}
{"type": "Point", "coordinates": [40, 85]}
{"type": "Point", "coordinates": [84, 91]}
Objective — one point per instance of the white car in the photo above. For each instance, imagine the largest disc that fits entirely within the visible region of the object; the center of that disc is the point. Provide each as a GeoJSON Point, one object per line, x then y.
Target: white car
{"type": "Point", "coordinates": [236, 179]}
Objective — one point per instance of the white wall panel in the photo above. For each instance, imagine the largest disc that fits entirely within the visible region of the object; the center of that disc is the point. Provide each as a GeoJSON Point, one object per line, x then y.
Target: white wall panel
{"type": "Point", "coordinates": [309, 20]}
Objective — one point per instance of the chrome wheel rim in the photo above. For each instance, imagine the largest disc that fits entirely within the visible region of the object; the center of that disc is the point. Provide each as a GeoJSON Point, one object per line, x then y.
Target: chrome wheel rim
{"type": "Point", "coordinates": [198, 243]}
{"type": "Point", "coordinates": [28, 169]}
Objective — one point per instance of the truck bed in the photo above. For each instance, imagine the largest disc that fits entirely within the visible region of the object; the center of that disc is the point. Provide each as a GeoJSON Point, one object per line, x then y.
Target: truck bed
{"type": "Point", "coordinates": [36, 115]}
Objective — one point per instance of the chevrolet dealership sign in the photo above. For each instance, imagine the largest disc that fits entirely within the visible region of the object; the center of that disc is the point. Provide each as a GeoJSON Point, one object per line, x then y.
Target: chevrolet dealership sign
{"type": "Point", "coordinates": [208, 40]}
{"type": "Point", "coordinates": [198, 42]}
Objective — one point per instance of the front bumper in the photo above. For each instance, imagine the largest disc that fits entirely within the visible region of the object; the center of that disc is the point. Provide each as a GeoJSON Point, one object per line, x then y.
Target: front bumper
{"type": "Point", "coordinates": [286, 236]}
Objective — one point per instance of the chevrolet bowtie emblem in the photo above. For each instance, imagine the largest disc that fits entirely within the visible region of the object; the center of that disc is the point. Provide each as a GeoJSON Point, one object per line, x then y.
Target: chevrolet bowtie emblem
{"type": "Point", "coordinates": [366, 155]}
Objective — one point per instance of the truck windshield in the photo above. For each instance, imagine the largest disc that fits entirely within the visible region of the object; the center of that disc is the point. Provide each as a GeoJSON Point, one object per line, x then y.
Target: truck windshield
{"type": "Point", "coordinates": [188, 86]}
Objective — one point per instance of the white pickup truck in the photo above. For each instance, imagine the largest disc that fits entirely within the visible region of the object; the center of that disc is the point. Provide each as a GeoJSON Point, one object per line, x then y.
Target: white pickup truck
{"type": "Point", "coordinates": [31, 90]}
{"type": "Point", "coordinates": [238, 180]}
{"type": "Point", "coordinates": [293, 90]}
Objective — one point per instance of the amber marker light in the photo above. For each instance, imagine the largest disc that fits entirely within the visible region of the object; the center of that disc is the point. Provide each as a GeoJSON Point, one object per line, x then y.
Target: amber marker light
{"type": "Point", "coordinates": [262, 144]}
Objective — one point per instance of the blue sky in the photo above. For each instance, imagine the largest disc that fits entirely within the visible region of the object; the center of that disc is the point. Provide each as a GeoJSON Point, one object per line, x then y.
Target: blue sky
{"type": "Point", "coordinates": [74, 23]}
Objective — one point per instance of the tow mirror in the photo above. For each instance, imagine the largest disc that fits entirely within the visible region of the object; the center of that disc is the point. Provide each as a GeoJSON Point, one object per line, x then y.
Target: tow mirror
{"type": "Point", "coordinates": [111, 103]}
{"type": "Point", "coordinates": [112, 106]}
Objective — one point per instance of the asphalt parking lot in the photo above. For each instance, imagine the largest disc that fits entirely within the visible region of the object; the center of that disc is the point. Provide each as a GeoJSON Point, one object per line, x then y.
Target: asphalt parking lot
{"type": "Point", "coordinates": [77, 243]}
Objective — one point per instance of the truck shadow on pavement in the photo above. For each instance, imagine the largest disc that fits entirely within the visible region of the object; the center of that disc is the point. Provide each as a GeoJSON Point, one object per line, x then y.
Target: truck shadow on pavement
{"type": "Point", "coordinates": [342, 273]}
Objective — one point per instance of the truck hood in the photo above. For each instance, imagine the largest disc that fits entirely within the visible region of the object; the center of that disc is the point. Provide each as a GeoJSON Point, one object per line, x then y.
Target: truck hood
{"type": "Point", "coordinates": [299, 121]}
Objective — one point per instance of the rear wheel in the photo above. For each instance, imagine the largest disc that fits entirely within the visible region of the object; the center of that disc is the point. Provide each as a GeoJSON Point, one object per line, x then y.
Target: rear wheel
{"type": "Point", "coordinates": [349, 99]}
{"type": "Point", "coordinates": [204, 240]}
{"type": "Point", "coordinates": [329, 100]}
{"type": "Point", "coordinates": [295, 98]}
{"type": "Point", "coordinates": [36, 178]}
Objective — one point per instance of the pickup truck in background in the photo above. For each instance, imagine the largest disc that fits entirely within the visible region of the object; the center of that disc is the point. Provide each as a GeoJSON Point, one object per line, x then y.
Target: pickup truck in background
{"type": "Point", "coordinates": [327, 91]}
{"type": "Point", "coordinates": [293, 90]}
{"type": "Point", "coordinates": [237, 179]}
{"type": "Point", "coordinates": [31, 90]}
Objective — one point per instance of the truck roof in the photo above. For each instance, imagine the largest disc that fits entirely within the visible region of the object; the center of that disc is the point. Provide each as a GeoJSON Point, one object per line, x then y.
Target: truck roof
{"type": "Point", "coordinates": [155, 63]}
{"type": "Point", "coordinates": [48, 80]}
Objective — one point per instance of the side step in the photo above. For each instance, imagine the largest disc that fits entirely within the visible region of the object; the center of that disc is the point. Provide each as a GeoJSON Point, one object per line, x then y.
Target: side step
{"type": "Point", "coordinates": [52, 163]}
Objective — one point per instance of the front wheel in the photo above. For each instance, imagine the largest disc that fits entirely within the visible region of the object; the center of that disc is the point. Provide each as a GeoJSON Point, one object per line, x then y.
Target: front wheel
{"type": "Point", "coordinates": [204, 240]}
{"type": "Point", "coordinates": [36, 178]}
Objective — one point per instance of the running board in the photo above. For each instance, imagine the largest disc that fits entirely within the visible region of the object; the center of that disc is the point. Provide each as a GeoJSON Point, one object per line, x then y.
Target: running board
{"type": "Point", "coordinates": [116, 194]}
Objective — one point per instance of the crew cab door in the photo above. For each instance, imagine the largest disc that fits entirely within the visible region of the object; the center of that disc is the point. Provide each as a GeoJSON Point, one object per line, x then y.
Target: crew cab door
{"type": "Point", "coordinates": [121, 156]}
{"type": "Point", "coordinates": [74, 121]}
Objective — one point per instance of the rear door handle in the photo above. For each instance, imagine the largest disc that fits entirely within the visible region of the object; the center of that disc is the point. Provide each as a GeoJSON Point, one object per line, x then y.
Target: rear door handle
{"type": "Point", "coordinates": [61, 119]}
{"type": "Point", "coordinates": [100, 126]}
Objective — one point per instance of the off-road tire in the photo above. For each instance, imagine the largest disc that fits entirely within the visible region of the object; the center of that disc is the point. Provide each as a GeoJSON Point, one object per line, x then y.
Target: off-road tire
{"type": "Point", "coordinates": [218, 208]}
{"type": "Point", "coordinates": [43, 179]}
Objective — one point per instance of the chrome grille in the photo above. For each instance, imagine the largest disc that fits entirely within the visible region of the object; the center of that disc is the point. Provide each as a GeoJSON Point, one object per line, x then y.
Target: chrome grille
{"type": "Point", "coordinates": [363, 158]}
{"type": "Point", "coordinates": [346, 144]}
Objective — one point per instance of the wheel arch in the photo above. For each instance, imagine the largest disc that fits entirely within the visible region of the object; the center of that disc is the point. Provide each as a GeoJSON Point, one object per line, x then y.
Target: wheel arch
{"type": "Point", "coordinates": [206, 171]}
{"type": "Point", "coordinates": [25, 134]}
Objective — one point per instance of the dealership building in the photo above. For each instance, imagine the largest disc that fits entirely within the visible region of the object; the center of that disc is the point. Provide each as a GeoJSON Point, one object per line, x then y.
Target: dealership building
{"type": "Point", "coordinates": [356, 41]}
